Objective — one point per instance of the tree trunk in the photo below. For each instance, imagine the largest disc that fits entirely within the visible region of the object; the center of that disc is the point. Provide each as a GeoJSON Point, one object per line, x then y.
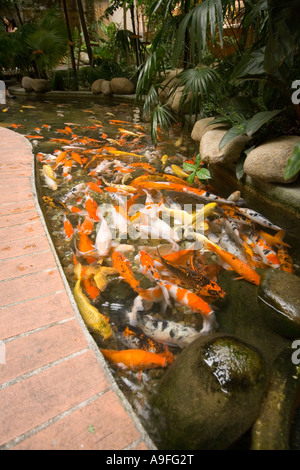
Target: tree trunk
{"type": "Point", "coordinates": [85, 32]}
{"type": "Point", "coordinates": [18, 13]}
{"type": "Point", "coordinates": [136, 47]}
{"type": "Point", "coordinates": [70, 41]}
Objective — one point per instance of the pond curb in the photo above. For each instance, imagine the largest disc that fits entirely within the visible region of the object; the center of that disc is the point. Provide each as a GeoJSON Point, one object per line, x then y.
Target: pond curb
{"type": "Point", "coordinates": [56, 391]}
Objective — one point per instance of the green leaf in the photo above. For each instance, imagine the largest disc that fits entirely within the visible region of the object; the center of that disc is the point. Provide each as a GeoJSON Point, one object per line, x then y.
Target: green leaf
{"type": "Point", "coordinates": [239, 169]}
{"type": "Point", "coordinates": [197, 160]}
{"type": "Point", "coordinates": [91, 429]}
{"type": "Point", "coordinates": [231, 134]}
{"type": "Point", "coordinates": [191, 177]}
{"type": "Point", "coordinates": [188, 166]}
{"type": "Point", "coordinates": [203, 174]}
{"type": "Point", "coordinates": [293, 164]}
{"type": "Point", "coordinates": [259, 119]}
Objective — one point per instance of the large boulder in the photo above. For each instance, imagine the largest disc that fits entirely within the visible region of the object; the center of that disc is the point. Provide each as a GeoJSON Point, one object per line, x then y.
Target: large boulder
{"type": "Point", "coordinates": [278, 299]}
{"type": "Point", "coordinates": [106, 88]}
{"type": "Point", "coordinates": [96, 86]}
{"type": "Point", "coordinates": [84, 58]}
{"type": "Point", "coordinates": [230, 153]}
{"type": "Point", "coordinates": [40, 85]}
{"type": "Point", "coordinates": [122, 86]}
{"type": "Point", "coordinates": [202, 126]}
{"type": "Point", "coordinates": [27, 84]}
{"type": "Point", "coordinates": [210, 396]}
{"type": "Point", "coordinates": [267, 161]}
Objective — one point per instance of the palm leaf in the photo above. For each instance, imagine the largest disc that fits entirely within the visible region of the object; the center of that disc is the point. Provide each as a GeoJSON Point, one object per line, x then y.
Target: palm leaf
{"type": "Point", "coordinates": [162, 118]}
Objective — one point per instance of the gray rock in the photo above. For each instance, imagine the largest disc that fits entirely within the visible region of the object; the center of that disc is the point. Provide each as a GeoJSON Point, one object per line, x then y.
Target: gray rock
{"type": "Point", "coordinates": [279, 301]}
{"type": "Point", "coordinates": [96, 86]}
{"type": "Point", "coordinates": [122, 86]}
{"type": "Point", "coordinates": [209, 147]}
{"type": "Point", "coordinates": [84, 58]}
{"type": "Point", "coordinates": [168, 83]}
{"type": "Point", "coordinates": [201, 127]}
{"type": "Point", "coordinates": [272, 429]}
{"type": "Point", "coordinates": [210, 395]}
{"type": "Point", "coordinates": [26, 84]}
{"type": "Point", "coordinates": [176, 98]}
{"type": "Point", "coordinates": [40, 85]}
{"type": "Point", "coordinates": [106, 88]}
{"type": "Point", "coordinates": [267, 161]}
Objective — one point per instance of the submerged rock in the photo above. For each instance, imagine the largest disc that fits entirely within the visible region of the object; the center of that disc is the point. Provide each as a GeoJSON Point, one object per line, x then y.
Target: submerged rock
{"type": "Point", "coordinates": [272, 429]}
{"type": "Point", "coordinates": [211, 153]}
{"type": "Point", "coordinates": [106, 88]}
{"type": "Point", "coordinates": [268, 161]}
{"type": "Point", "coordinates": [278, 299]}
{"type": "Point", "coordinates": [210, 396]}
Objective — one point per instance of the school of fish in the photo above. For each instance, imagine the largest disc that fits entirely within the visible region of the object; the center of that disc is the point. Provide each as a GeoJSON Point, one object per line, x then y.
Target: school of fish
{"type": "Point", "coordinates": [120, 215]}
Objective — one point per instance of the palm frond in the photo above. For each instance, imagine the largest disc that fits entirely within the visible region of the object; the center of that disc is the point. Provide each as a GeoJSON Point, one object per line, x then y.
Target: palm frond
{"type": "Point", "coordinates": [162, 117]}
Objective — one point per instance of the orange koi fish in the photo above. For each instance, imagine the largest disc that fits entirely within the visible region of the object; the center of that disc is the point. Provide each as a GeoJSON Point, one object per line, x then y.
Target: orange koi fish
{"type": "Point", "coordinates": [34, 136]}
{"type": "Point", "coordinates": [85, 246]}
{"type": "Point", "coordinates": [134, 338]}
{"type": "Point", "coordinates": [76, 157]}
{"type": "Point", "coordinates": [181, 295]}
{"type": "Point", "coordinates": [285, 260]}
{"type": "Point", "coordinates": [237, 265]}
{"type": "Point", "coordinates": [60, 158]}
{"type": "Point", "coordinates": [268, 256]}
{"type": "Point", "coordinates": [164, 185]}
{"type": "Point", "coordinates": [91, 207]}
{"type": "Point", "coordinates": [68, 228]}
{"type": "Point", "coordinates": [67, 168]}
{"type": "Point", "coordinates": [194, 279]}
{"type": "Point", "coordinates": [123, 266]}
{"type": "Point", "coordinates": [94, 187]}
{"type": "Point", "coordinates": [90, 288]}
{"type": "Point", "coordinates": [134, 359]}
{"type": "Point", "coordinates": [274, 240]}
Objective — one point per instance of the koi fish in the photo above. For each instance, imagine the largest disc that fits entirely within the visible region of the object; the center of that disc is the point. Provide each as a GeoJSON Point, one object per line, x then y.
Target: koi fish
{"type": "Point", "coordinates": [76, 157]}
{"type": "Point", "coordinates": [179, 171]}
{"type": "Point", "coordinates": [33, 136]}
{"type": "Point", "coordinates": [167, 331]}
{"type": "Point", "coordinates": [68, 228]}
{"type": "Point", "coordinates": [134, 359]}
{"type": "Point", "coordinates": [181, 295]}
{"type": "Point", "coordinates": [285, 260]}
{"type": "Point", "coordinates": [103, 238]}
{"type": "Point", "coordinates": [94, 320]}
{"type": "Point", "coordinates": [49, 177]}
{"type": "Point", "coordinates": [134, 338]}
{"type": "Point", "coordinates": [91, 207]}
{"type": "Point", "coordinates": [237, 265]}
{"type": "Point", "coordinates": [124, 131]}
{"type": "Point", "coordinates": [268, 256]}
{"type": "Point", "coordinates": [55, 203]}
{"type": "Point", "coordinates": [206, 195]}
{"type": "Point", "coordinates": [123, 266]}
{"type": "Point", "coordinates": [196, 280]}
{"type": "Point", "coordinates": [258, 218]}
{"type": "Point", "coordinates": [274, 240]}
{"type": "Point", "coordinates": [101, 276]}
{"type": "Point", "coordinates": [85, 246]}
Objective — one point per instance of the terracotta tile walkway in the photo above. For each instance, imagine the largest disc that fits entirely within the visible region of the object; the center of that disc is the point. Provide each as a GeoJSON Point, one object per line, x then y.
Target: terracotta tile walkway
{"type": "Point", "coordinates": [55, 390]}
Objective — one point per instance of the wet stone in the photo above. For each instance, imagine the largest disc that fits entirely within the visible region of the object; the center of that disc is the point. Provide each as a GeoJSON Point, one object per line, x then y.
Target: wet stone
{"type": "Point", "coordinates": [211, 394]}
{"type": "Point", "coordinates": [278, 299]}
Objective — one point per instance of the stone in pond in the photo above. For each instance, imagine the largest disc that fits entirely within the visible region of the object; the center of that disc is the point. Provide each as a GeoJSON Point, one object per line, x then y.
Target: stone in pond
{"type": "Point", "coordinates": [26, 84]}
{"type": "Point", "coordinates": [40, 85]}
{"type": "Point", "coordinates": [279, 301]}
{"type": "Point", "coordinates": [96, 86]}
{"type": "Point", "coordinates": [122, 86]}
{"type": "Point", "coordinates": [211, 394]}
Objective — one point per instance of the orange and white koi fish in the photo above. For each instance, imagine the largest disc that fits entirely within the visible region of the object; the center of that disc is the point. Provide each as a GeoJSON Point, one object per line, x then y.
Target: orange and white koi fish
{"type": "Point", "coordinates": [274, 240]}
{"type": "Point", "coordinates": [237, 265]}
{"type": "Point", "coordinates": [135, 359]}
{"type": "Point", "coordinates": [268, 256]}
{"type": "Point", "coordinates": [50, 177]}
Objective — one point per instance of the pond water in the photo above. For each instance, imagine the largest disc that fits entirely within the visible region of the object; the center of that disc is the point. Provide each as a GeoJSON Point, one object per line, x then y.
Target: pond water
{"type": "Point", "coordinates": [96, 170]}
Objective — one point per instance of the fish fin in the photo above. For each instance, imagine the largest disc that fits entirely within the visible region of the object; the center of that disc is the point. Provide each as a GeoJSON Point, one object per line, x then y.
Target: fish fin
{"type": "Point", "coordinates": [238, 278]}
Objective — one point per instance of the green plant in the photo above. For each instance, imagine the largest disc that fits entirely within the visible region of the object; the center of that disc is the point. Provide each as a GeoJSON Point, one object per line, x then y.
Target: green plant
{"type": "Point", "coordinates": [202, 173]}
{"type": "Point", "coordinates": [293, 164]}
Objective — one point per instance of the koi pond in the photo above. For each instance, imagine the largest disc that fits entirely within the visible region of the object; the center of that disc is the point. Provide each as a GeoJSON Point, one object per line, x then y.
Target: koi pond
{"type": "Point", "coordinates": [191, 295]}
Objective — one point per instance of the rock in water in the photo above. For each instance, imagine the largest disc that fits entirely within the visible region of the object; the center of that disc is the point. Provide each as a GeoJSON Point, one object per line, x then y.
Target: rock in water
{"type": "Point", "coordinates": [211, 395]}
{"type": "Point", "coordinates": [272, 429]}
{"type": "Point", "coordinates": [278, 299]}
